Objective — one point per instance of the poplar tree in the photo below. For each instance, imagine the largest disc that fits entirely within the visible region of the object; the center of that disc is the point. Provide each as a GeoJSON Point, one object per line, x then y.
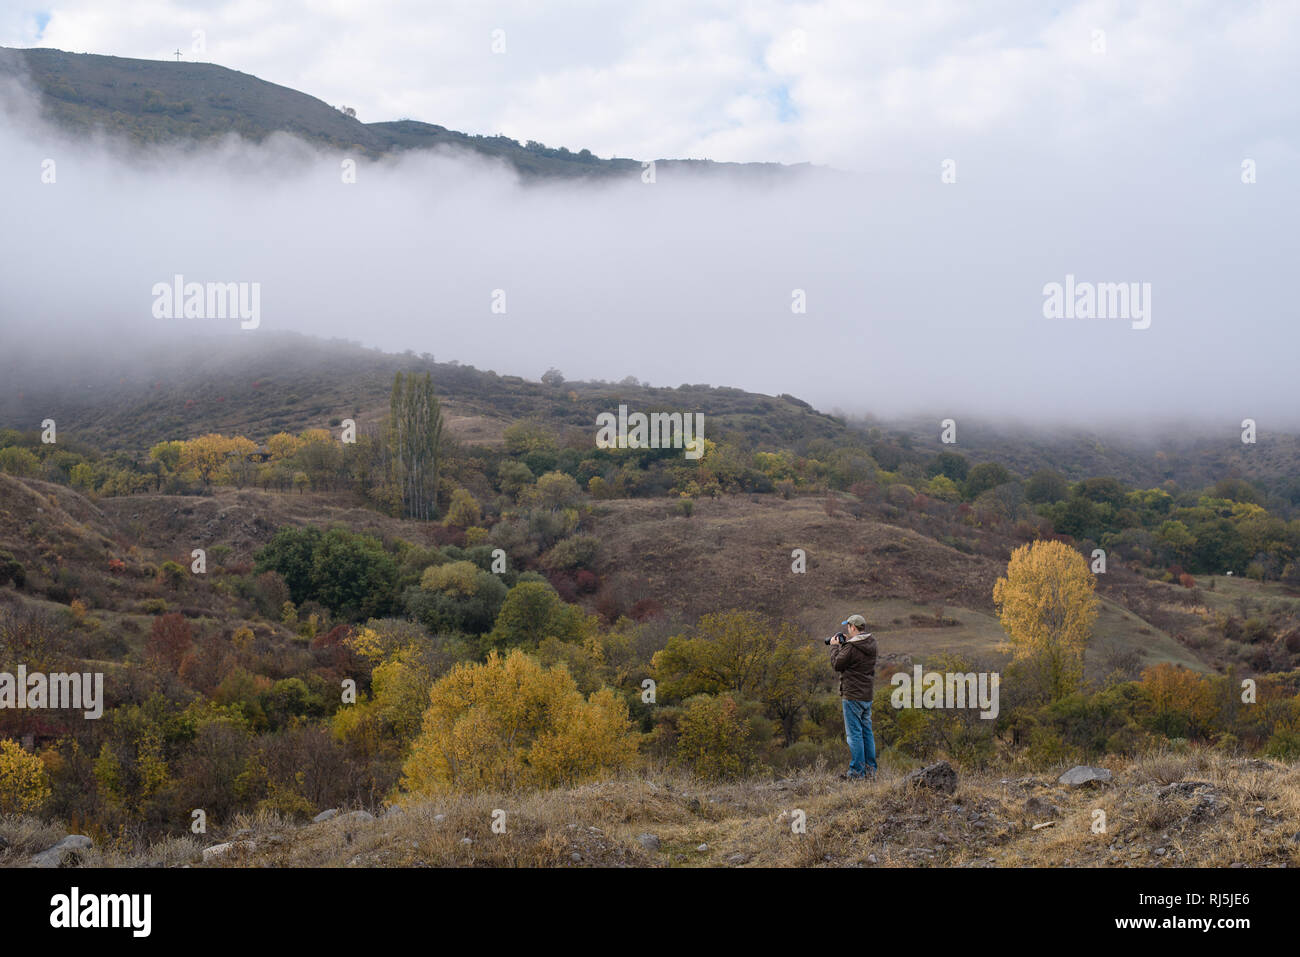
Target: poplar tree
{"type": "Point", "coordinates": [415, 444]}
{"type": "Point", "coordinates": [1048, 604]}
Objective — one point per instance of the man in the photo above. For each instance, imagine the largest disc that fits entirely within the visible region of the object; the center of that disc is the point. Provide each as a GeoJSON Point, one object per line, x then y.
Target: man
{"type": "Point", "coordinates": [853, 655]}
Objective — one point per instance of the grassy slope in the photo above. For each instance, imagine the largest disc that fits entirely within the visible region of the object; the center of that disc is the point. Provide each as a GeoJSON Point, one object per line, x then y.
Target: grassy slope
{"type": "Point", "coordinates": [1252, 818]}
{"type": "Point", "coordinates": [184, 388]}
{"type": "Point", "coordinates": [732, 553]}
{"type": "Point", "coordinates": [735, 552]}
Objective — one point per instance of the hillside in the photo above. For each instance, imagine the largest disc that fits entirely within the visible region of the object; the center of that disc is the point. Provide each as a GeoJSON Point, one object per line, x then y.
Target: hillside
{"type": "Point", "coordinates": [158, 101]}
{"type": "Point", "coordinates": [922, 598]}
{"type": "Point", "coordinates": [273, 624]}
{"type": "Point", "coordinates": [1190, 809]}
{"type": "Point", "coordinates": [131, 398]}
{"type": "Point", "coordinates": [1189, 456]}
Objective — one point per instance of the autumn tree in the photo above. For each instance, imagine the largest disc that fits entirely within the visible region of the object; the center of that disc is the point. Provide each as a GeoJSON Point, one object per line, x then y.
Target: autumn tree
{"type": "Point", "coordinates": [511, 723]}
{"type": "Point", "coordinates": [1182, 701]}
{"type": "Point", "coordinates": [23, 783]}
{"type": "Point", "coordinates": [206, 455]}
{"type": "Point", "coordinates": [464, 510]}
{"type": "Point", "coordinates": [169, 639]}
{"type": "Point", "coordinates": [1047, 604]}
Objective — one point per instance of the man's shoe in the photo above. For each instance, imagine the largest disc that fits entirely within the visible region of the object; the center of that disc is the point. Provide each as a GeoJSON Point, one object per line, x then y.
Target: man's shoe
{"type": "Point", "coordinates": [849, 776]}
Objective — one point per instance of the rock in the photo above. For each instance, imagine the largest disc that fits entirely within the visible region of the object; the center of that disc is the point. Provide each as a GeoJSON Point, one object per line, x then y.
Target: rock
{"type": "Point", "coordinates": [575, 857]}
{"type": "Point", "coordinates": [703, 848]}
{"type": "Point", "coordinates": [325, 815]}
{"type": "Point", "coordinates": [467, 840]}
{"type": "Point", "coordinates": [1081, 775]}
{"type": "Point", "coordinates": [439, 818]}
{"type": "Point", "coordinates": [1037, 807]}
{"type": "Point", "coordinates": [939, 777]}
{"type": "Point", "coordinates": [871, 859]}
{"type": "Point", "coordinates": [219, 851]}
{"type": "Point", "coordinates": [1236, 864]}
{"type": "Point", "coordinates": [358, 817]}
{"type": "Point", "coordinates": [1042, 824]}
{"type": "Point", "coordinates": [738, 858]}
{"type": "Point", "coordinates": [649, 841]}
{"type": "Point", "coordinates": [1159, 852]}
{"type": "Point", "coordinates": [57, 855]}
{"type": "Point", "coordinates": [394, 810]}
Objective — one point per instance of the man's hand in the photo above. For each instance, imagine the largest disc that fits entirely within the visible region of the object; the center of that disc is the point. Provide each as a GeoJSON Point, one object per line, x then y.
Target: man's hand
{"type": "Point", "coordinates": [837, 640]}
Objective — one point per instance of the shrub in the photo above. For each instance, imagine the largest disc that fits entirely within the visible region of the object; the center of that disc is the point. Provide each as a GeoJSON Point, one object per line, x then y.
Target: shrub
{"type": "Point", "coordinates": [23, 783]}
{"type": "Point", "coordinates": [12, 570]}
{"type": "Point", "coordinates": [713, 741]}
{"type": "Point", "coordinates": [511, 723]}
{"type": "Point", "coordinates": [576, 552]}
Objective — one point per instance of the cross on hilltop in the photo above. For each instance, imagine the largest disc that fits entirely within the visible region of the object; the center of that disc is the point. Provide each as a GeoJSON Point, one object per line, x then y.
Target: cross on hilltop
{"type": "Point", "coordinates": [178, 54]}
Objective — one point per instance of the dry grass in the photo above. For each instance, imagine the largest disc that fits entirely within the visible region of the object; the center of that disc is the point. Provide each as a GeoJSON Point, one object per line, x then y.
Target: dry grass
{"type": "Point", "coordinates": [1229, 811]}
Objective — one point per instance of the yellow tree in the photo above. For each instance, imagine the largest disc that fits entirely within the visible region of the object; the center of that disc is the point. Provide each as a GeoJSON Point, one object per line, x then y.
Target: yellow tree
{"type": "Point", "coordinates": [511, 723]}
{"type": "Point", "coordinates": [282, 446]}
{"type": "Point", "coordinates": [1047, 604]}
{"type": "Point", "coordinates": [23, 784]}
{"type": "Point", "coordinates": [206, 455]}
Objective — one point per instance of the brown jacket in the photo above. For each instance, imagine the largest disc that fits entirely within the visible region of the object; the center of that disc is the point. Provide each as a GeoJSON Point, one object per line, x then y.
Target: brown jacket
{"type": "Point", "coordinates": [855, 660]}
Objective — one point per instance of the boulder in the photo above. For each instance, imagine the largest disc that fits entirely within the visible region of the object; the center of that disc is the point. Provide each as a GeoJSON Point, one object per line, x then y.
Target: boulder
{"type": "Point", "coordinates": [1082, 775]}
{"type": "Point", "coordinates": [649, 841]}
{"type": "Point", "coordinates": [358, 817]}
{"type": "Point", "coordinates": [938, 777]}
{"type": "Point", "coordinates": [325, 815]}
{"type": "Point", "coordinates": [57, 855]}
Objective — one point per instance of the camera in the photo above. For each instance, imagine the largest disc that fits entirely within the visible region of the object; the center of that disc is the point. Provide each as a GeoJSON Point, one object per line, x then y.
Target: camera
{"type": "Point", "coordinates": [838, 634]}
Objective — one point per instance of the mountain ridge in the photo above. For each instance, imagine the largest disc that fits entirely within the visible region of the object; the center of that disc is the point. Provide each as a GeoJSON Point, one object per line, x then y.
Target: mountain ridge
{"type": "Point", "coordinates": [153, 101]}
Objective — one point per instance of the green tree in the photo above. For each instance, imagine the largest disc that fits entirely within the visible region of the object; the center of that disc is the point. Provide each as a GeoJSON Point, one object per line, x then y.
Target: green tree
{"type": "Point", "coordinates": [983, 477]}
{"type": "Point", "coordinates": [533, 611]}
{"type": "Point", "coordinates": [1045, 487]}
{"type": "Point", "coordinates": [415, 444]}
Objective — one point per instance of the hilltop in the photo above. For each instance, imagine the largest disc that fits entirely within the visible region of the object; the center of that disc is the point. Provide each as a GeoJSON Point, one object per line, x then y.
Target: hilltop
{"type": "Point", "coordinates": [156, 101]}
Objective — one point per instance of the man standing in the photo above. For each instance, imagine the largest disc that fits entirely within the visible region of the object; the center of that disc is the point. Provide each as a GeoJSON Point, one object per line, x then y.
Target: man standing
{"type": "Point", "coordinates": [853, 655]}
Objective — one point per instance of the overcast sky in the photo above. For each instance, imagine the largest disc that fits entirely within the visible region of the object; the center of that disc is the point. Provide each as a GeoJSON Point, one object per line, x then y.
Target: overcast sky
{"type": "Point", "coordinates": [1100, 140]}
{"type": "Point", "coordinates": [843, 82]}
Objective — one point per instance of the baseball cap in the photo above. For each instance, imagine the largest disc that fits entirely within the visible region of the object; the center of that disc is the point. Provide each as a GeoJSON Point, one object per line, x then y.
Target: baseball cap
{"type": "Point", "coordinates": [856, 620]}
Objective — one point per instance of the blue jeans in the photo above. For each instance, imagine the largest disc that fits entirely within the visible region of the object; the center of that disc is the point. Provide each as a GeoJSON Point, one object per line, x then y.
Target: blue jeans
{"type": "Point", "coordinates": [862, 743]}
